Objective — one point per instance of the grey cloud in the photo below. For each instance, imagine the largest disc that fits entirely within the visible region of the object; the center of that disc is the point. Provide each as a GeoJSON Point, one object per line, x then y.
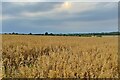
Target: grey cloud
{"type": "Point", "coordinates": [101, 18]}
{"type": "Point", "coordinates": [15, 9]}
{"type": "Point", "coordinates": [100, 13]}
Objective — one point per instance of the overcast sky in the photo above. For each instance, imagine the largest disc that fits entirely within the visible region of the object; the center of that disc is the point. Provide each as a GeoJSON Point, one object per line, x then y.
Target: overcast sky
{"type": "Point", "coordinates": [59, 17]}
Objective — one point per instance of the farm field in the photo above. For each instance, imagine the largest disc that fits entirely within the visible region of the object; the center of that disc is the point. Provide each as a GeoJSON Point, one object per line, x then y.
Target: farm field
{"type": "Point", "coordinates": [27, 56]}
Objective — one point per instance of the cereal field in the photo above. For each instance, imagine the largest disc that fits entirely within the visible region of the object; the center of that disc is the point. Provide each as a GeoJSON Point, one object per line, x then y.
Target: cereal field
{"type": "Point", "coordinates": [27, 56]}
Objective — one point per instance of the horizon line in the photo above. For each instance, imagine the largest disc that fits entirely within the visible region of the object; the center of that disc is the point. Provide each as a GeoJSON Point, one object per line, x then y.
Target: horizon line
{"type": "Point", "coordinates": [57, 33]}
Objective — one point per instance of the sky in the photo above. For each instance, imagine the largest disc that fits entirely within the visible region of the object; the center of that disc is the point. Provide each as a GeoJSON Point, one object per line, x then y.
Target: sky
{"type": "Point", "coordinates": [59, 17]}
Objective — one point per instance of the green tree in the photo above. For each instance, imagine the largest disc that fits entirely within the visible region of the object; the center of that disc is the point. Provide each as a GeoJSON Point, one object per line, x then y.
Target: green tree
{"type": "Point", "coordinates": [46, 33]}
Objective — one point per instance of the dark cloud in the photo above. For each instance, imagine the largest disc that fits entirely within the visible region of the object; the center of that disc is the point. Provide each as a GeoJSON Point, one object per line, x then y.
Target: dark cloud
{"type": "Point", "coordinates": [96, 15]}
{"type": "Point", "coordinates": [15, 8]}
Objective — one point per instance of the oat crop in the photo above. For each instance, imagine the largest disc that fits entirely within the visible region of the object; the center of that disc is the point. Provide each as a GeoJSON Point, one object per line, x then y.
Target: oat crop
{"type": "Point", "coordinates": [26, 56]}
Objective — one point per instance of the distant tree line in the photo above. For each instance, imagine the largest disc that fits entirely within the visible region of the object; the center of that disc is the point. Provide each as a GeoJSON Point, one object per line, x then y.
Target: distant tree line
{"type": "Point", "coordinates": [72, 34]}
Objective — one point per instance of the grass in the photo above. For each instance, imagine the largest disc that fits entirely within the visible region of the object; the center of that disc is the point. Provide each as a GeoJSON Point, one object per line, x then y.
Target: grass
{"type": "Point", "coordinates": [26, 56]}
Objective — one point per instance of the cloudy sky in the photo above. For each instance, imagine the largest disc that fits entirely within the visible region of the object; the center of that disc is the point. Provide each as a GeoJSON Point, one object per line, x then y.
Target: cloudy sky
{"type": "Point", "coordinates": [59, 17]}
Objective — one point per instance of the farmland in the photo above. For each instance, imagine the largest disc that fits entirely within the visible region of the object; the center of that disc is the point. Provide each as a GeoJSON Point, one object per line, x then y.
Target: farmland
{"type": "Point", "coordinates": [27, 56]}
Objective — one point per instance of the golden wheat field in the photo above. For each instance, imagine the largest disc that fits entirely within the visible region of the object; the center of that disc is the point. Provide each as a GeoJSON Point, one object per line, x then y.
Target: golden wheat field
{"type": "Point", "coordinates": [27, 56]}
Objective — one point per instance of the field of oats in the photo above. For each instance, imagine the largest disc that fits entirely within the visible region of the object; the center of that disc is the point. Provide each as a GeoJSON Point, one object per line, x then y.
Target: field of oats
{"type": "Point", "coordinates": [27, 56]}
